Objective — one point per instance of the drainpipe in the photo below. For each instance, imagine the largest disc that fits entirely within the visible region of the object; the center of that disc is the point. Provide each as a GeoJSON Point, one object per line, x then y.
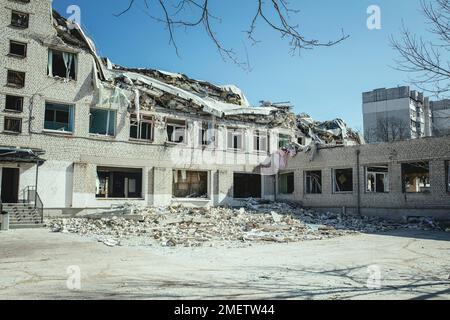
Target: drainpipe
{"type": "Point", "coordinates": [358, 152]}
{"type": "Point", "coordinates": [36, 184]}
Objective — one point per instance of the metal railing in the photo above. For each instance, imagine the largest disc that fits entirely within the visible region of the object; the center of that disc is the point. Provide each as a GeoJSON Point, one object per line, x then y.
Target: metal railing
{"type": "Point", "coordinates": [31, 196]}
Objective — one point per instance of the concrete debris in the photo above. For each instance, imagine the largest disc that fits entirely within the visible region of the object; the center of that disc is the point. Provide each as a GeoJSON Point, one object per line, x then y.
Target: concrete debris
{"type": "Point", "coordinates": [334, 132]}
{"type": "Point", "coordinates": [258, 222]}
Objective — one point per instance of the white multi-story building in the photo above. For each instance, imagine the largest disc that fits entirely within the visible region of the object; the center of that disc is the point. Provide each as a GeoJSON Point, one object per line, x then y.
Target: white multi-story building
{"type": "Point", "coordinates": [110, 134]}
{"type": "Point", "coordinates": [441, 117]}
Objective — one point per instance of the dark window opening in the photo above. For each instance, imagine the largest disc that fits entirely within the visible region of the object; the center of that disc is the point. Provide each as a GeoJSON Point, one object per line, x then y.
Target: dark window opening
{"type": "Point", "coordinates": [62, 64]}
{"type": "Point", "coordinates": [58, 117]}
{"type": "Point", "coordinates": [313, 182]}
{"type": "Point", "coordinates": [18, 49]}
{"type": "Point", "coordinates": [190, 184]}
{"type": "Point", "coordinates": [235, 139]}
{"type": "Point", "coordinates": [246, 185]}
{"type": "Point", "coordinates": [119, 183]}
{"type": "Point", "coordinates": [16, 79]}
{"type": "Point", "coordinates": [416, 177]}
{"type": "Point", "coordinates": [176, 131]}
{"type": "Point", "coordinates": [20, 19]}
{"type": "Point", "coordinates": [102, 122]}
{"type": "Point", "coordinates": [13, 125]}
{"type": "Point", "coordinates": [141, 130]}
{"type": "Point", "coordinates": [14, 103]}
{"type": "Point", "coordinates": [377, 179]}
{"type": "Point", "coordinates": [343, 180]}
{"type": "Point", "coordinates": [286, 183]}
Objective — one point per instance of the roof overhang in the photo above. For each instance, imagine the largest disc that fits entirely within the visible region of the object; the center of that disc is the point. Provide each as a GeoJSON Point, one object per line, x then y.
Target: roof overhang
{"type": "Point", "coordinates": [12, 154]}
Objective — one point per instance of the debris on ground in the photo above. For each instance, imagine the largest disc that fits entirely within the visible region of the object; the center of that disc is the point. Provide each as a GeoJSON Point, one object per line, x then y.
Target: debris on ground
{"type": "Point", "coordinates": [256, 222]}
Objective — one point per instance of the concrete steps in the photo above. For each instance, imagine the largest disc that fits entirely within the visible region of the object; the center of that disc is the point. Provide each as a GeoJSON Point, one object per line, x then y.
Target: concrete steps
{"type": "Point", "coordinates": [23, 215]}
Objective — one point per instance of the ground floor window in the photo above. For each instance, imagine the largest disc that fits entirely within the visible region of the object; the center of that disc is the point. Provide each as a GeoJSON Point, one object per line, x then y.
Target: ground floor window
{"type": "Point", "coordinates": [343, 180]}
{"type": "Point", "coordinates": [246, 185]}
{"type": "Point", "coordinates": [58, 117]}
{"type": "Point", "coordinates": [286, 183]}
{"type": "Point", "coordinates": [313, 182]}
{"type": "Point", "coordinates": [377, 179]}
{"type": "Point", "coordinates": [416, 177]}
{"type": "Point", "coordinates": [190, 184]}
{"type": "Point", "coordinates": [118, 183]}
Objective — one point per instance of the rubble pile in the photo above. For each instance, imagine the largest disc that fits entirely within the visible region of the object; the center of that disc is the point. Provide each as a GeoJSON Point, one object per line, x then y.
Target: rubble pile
{"type": "Point", "coordinates": [328, 132]}
{"type": "Point", "coordinates": [256, 222]}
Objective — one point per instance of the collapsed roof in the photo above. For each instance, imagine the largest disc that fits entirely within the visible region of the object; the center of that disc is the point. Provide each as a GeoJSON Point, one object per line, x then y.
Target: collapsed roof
{"type": "Point", "coordinates": [156, 88]}
{"type": "Point", "coordinates": [334, 132]}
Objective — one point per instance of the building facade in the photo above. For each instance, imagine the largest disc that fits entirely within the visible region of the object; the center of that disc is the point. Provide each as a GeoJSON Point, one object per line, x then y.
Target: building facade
{"type": "Point", "coordinates": [397, 180]}
{"type": "Point", "coordinates": [396, 114]}
{"type": "Point", "coordinates": [111, 135]}
{"type": "Point", "coordinates": [441, 117]}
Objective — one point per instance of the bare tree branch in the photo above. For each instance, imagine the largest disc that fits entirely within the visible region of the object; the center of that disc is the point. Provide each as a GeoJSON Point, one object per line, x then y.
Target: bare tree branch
{"type": "Point", "coordinates": [427, 61]}
{"type": "Point", "coordinates": [275, 13]}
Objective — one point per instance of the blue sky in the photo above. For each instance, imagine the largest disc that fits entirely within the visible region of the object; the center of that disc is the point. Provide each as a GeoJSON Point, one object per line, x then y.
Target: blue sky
{"type": "Point", "coordinates": [326, 82]}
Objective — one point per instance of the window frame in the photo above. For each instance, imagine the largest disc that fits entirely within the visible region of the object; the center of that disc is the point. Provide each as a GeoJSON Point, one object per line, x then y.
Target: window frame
{"type": "Point", "coordinates": [257, 136]}
{"type": "Point", "coordinates": [74, 62]}
{"type": "Point", "coordinates": [290, 173]}
{"type": "Point", "coordinates": [403, 180]}
{"type": "Point", "coordinates": [205, 128]}
{"type": "Point", "coordinates": [14, 119]}
{"type": "Point", "coordinates": [333, 180]}
{"type": "Point", "coordinates": [21, 98]}
{"type": "Point", "coordinates": [235, 132]}
{"type": "Point", "coordinates": [386, 175]}
{"type": "Point", "coordinates": [14, 85]}
{"type": "Point", "coordinates": [109, 111]}
{"type": "Point", "coordinates": [176, 124]}
{"type": "Point", "coordinates": [134, 122]}
{"type": "Point", "coordinates": [139, 172]}
{"type": "Point", "coordinates": [305, 173]}
{"type": "Point", "coordinates": [285, 137]}
{"type": "Point", "coordinates": [206, 172]}
{"type": "Point", "coordinates": [15, 55]}
{"type": "Point", "coordinates": [17, 25]}
{"type": "Point", "coordinates": [71, 119]}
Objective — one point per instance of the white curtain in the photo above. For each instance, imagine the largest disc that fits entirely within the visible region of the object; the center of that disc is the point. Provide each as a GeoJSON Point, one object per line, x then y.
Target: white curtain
{"type": "Point", "coordinates": [50, 63]}
{"type": "Point", "coordinates": [68, 58]}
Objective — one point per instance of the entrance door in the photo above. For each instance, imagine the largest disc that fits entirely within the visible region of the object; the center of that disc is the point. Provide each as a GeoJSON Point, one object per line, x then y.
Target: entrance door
{"type": "Point", "coordinates": [10, 185]}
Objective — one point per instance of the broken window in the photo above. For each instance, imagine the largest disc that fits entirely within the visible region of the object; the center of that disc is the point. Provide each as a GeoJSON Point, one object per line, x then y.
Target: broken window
{"type": "Point", "coordinates": [18, 49]}
{"type": "Point", "coordinates": [190, 184]}
{"type": "Point", "coordinates": [313, 182]}
{"type": "Point", "coordinates": [260, 141]}
{"type": "Point", "coordinates": [19, 19]}
{"type": "Point", "coordinates": [246, 185]}
{"type": "Point", "coordinates": [377, 179]}
{"type": "Point", "coordinates": [416, 177]}
{"type": "Point", "coordinates": [143, 129]}
{"type": "Point", "coordinates": [176, 131]}
{"type": "Point", "coordinates": [13, 125]}
{"type": "Point", "coordinates": [343, 180]}
{"type": "Point", "coordinates": [283, 140]}
{"type": "Point", "coordinates": [286, 183]}
{"type": "Point", "coordinates": [102, 121]}
{"type": "Point", "coordinates": [118, 183]}
{"type": "Point", "coordinates": [235, 139]}
{"type": "Point", "coordinates": [207, 134]}
{"type": "Point", "coordinates": [58, 117]}
{"type": "Point", "coordinates": [62, 64]}
{"type": "Point", "coordinates": [14, 103]}
{"type": "Point", "coordinates": [16, 79]}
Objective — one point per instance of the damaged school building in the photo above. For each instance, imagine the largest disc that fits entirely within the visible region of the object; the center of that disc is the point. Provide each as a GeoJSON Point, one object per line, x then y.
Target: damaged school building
{"type": "Point", "coordinates": [79, 133]}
